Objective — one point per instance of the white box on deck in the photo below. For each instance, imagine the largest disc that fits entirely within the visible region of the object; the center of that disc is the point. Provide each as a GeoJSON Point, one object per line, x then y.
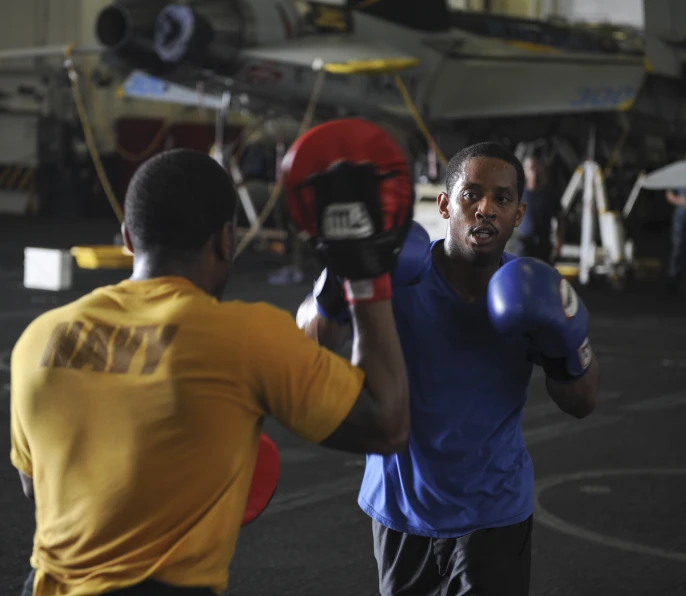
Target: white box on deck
{"type": "Point", "coordinates": [47, 269]}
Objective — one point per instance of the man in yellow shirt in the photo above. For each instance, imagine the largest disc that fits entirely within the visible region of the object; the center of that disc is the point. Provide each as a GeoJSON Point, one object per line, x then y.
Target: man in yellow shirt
{"type": "Point", "coordinates": [136, 411]}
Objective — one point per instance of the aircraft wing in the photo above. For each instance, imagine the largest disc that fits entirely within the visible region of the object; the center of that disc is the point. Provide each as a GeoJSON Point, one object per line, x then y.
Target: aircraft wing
{"type": "Point", "coordinates": [141, 85]}
{"type": "Point", "coordinates": [671, 176]}
{"type": "Point", "coordinates": [336, 54]}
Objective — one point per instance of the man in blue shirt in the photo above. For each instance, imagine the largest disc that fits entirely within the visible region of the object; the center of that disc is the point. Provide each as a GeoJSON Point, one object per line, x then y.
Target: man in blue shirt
{"type": "Point", "coordinates": [677, 252]}
{"type": "Point", "coordinates": [452, 514]}
{"type": "Point", "coordinates": [534, 235]}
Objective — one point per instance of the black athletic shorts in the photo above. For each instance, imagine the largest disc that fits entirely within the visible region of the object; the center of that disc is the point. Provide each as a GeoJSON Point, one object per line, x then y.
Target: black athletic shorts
{"type": "Point", "coordinates": [489, 562]}
{"type": "Point", "coordinates": [147, 588]}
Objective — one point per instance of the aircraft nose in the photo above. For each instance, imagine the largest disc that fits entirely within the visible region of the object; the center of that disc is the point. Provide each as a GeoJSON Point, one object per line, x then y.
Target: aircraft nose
{"type": "Point", "coordinates": [111, 26]}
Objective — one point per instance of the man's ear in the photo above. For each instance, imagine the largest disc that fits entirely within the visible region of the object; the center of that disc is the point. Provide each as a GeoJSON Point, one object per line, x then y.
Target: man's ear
{"type": "Point", "coordinates": [226, 241]}
{"type": "Point", "coordinates": [443, 202]}
{"type": "Point", "coordinates": [521, 210]}
{"type": "Point", "coordinates": [126, 237]}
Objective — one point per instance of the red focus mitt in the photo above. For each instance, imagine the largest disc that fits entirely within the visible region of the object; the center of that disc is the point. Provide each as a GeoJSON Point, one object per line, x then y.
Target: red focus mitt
{"type": "Point", "coordinates": [348, 188]}
{"type": "Point", "coordinates": [264, 479]}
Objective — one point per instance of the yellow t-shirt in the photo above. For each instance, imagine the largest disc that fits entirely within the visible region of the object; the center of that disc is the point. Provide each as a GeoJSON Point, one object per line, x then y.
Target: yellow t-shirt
{"type": "Point", "coordinates": [137, 411]}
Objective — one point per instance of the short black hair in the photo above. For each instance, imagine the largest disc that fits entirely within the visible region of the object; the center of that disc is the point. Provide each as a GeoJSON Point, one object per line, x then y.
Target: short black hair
{"type": "Point", "coordinates": [485, 149]}
{"type": "Point", "coordinates": [177, 199]}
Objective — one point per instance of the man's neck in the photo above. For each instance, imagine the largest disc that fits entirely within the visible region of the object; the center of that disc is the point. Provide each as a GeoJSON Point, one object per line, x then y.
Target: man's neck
{"type": "Point", "coordinates": [468, 279]}
{"type": "Point", "coordinates": [147, 266]}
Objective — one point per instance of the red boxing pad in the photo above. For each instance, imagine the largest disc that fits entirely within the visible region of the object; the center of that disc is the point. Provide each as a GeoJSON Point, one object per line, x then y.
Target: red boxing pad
{"type": "Point", "coordinates": [348, 139]}
{"type": "Point", "coordinates": [264, 479]}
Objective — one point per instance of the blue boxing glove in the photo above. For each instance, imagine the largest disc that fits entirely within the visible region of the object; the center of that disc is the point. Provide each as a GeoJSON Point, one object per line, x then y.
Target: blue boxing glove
{"type": "Point", "coordinates": [413, 263]}
{"type": "Point", "coordinates": [329, 298]}
{"type": "Point", "coordinates": [414, 260]}
{"type": "Point", "coordinates": [529, 297]}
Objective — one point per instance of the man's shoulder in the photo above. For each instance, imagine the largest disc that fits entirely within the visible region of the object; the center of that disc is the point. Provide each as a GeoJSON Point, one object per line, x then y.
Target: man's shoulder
{"type": "Point", "coordinates": [256, 312]}
{"type": "Point", "coordinates": [258, 319]}
{"type": "Point", "coordinates": [507, 257]}
{"type": "Point", "coordinates": [424, 283]}
{"type": "Point", "coordinates": [41, 327]}
{"type": "Point", "coordinates": [64, 312]}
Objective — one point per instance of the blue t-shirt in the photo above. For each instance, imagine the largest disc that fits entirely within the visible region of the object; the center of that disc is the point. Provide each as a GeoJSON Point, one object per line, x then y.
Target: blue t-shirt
{"type": "Point", "coordinates": [466, 466]}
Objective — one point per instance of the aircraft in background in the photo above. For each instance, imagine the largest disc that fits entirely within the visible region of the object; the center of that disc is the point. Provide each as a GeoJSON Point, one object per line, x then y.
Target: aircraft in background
{"type": "Point", "coordinates": [470, 75]}
{"type": "Point", "coordinates": [455, 66]}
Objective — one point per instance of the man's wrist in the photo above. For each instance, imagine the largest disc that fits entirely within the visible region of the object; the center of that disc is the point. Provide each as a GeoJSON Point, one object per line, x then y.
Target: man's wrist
{"type": "Point", "coordinates": [571, 368]}
{"type": "Point", "coordinates": [368, 290]}
{"type": "Point", "coordinates": [342, 317]}
{"type": "Point", "coordinates": [556, 370]}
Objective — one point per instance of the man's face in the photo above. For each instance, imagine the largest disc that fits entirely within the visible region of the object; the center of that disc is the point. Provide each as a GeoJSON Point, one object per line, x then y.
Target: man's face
{"type": "Point", "coordinates": [483, 209]}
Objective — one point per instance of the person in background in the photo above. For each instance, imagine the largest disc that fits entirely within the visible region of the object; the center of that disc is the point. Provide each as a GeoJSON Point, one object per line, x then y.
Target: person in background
{"type": "Point", "coordinates": [534, 237]}
{"type": "Point", "coordinates": [677, 198]}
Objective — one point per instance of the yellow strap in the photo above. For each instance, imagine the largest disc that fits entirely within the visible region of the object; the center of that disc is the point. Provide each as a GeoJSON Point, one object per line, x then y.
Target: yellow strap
{"type": "Point", "coordinates": [418, 119]}
{"type": "Point", "coordinates": [88, 133]}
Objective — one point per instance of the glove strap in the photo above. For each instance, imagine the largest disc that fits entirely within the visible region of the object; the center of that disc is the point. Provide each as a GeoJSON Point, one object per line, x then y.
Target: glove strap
{"type": "Point", "coordinates": [368, 290]}
{"type": "Point", "coordinates": [583, 356]}
{"type": "Point", "coordinates": [572, 368]}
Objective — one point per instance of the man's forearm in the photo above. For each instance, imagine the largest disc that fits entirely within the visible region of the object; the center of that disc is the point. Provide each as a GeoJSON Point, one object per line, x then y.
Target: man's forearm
{"type": "Point", "coordinates": [580, 397]}
{"type": "Point", "coordinates": [326, 332]}
{"type": "Point", "coordinates": [377, 351]}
